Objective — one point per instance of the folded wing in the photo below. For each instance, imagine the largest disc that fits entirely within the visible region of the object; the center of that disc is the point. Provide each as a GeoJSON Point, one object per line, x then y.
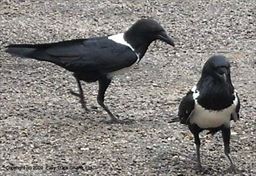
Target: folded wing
{"type": "Point", "coordinates": [186, 108]}
{"type": "Point", "coordinates": [96, 54]}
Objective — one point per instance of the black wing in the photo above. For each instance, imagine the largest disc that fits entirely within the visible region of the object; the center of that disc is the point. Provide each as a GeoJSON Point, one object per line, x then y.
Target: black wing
{"type": "Point", "coordinates": [95, 54]}
{"type": "Point", "coordinates": [186, 107]}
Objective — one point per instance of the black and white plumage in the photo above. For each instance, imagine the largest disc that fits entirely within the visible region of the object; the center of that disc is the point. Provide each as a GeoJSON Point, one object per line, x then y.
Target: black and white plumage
{"type": "Point", "coordinates": [211, 104]}
{"type": "Point", "coordinates": [99, 58]}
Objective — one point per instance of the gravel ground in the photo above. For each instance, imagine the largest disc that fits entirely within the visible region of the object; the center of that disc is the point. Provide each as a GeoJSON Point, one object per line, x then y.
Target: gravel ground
{"type": "Point", "coordinates": [43, 126]}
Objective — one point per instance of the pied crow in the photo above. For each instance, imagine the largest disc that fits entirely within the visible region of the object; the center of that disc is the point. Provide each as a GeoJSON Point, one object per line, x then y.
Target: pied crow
{"type": "Point", "coordinates": [211, 104]}
{"type": "Point", "coordinates": [99, 58]}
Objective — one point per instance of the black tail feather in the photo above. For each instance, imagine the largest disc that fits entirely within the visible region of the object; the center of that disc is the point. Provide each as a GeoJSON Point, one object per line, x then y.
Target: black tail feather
{"type": "Point", "coordinates": [40, 52]}
{"type": "Point", "coordinates": [37, 51]}
{"type": "Point", "coordinates": [21, 50]}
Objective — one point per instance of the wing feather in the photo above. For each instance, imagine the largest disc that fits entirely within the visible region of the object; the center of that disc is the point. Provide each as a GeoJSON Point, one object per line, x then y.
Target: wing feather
{"type": "Point", "coordinates": [186, 108]}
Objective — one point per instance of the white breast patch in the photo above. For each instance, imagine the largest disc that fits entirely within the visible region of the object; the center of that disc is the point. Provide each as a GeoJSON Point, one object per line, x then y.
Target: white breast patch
{"type": "Point", "coordinates": [211, 119]}
{"type": "Point", "coordinates": [119, 38]}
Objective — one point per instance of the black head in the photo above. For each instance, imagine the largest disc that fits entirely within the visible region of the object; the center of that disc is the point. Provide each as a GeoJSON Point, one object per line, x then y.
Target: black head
{"type": "Point", "coordinates": [218, 67]}
{"type": "Point", "coordinates": [145, 31]}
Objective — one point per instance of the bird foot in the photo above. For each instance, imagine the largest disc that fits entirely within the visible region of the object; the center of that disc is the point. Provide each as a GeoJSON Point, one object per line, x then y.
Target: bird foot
{"type": "Point", "coordinates": [74, 93]}
{"type": "Point", "coordinates": [118, 121]}
{"type": "Point", "coordinates": [199, 168]}
{"type": "Point", "coordinates": [231, 169]}
{"type": "Point", "coordinates": [83, 103]}
{"type": "Point", "coordinates": [85, 107]}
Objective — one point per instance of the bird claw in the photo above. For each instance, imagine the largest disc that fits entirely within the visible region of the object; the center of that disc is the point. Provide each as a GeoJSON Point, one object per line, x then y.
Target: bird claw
{"type": "Point", "coordinates": [81, 100]}
{"type": "Point", "coordinates": [85, 107]}
{"type": "Point", "coordinates": [74, 93]}
{"type": "Point", "coordinates": [232, 169]}
{"type": "Point", "coordinates": [199, 168]}
{"type": "Point", "coordinates": [128, 121]}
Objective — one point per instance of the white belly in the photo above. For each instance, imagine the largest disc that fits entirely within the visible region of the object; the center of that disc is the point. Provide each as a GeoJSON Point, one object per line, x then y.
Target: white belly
{"type": "Point", "coordinates": [211, 119]}
{"type": "Point", "coordinates": [121, 71]}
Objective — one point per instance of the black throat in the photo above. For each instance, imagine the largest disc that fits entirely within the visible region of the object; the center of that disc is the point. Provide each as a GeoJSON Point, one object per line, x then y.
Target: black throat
{"type": "Point", "coordinates": [215, 94]}
{"type": "Point", "coordinates": [139, 43]}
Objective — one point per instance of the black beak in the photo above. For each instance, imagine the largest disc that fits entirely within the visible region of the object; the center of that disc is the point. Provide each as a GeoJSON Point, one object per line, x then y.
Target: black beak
{"type": "Point", "coordinates": [222, 73]}
{"type": "Point", "coordinates": [165, 38]}
{"type": "Point", "coordinates": [224, 77]}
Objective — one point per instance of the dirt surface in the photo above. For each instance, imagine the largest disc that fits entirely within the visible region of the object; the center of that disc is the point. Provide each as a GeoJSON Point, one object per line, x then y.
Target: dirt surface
{"type": "Point", "coordinates": [44, 131]}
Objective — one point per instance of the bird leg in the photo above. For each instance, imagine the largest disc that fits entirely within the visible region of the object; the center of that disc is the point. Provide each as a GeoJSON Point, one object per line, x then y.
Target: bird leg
{"type": "Point", "coordinates": [80, 95]}
{"type": "Point", "coordinates": [195, 130]}
{"type": "Point", "coordinates": [226, 139]}
{"type": "Point", "coordinates": [103, 85]}
{"type": "Point", "coordinates": [197, 142]}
